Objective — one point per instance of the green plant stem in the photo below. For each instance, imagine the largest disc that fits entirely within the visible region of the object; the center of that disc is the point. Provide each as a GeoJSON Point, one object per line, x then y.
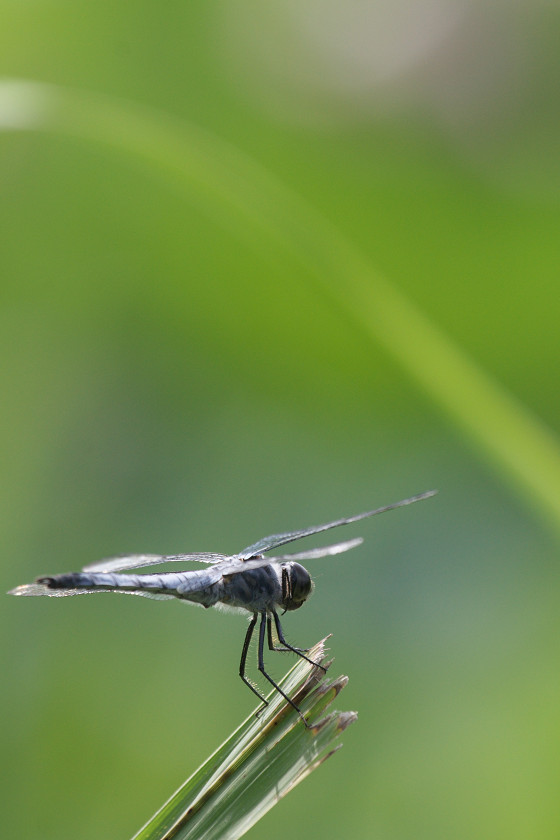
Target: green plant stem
{"type": "Point", "coordinates": [262, 761]}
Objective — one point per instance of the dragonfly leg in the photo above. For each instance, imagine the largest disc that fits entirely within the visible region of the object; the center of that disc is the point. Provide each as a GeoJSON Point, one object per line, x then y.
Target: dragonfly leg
{"type": "Point", "coordinates": [262, 630]}
{"type": "Point", "coordinates": [273, 646]}
{"type": "Point", "coordinates": [243, 662]}
{"type": "Point", "coordinates": [287, 646]}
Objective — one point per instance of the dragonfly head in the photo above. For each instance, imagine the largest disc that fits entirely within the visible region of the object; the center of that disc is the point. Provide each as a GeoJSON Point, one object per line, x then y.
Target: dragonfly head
{"type": "Point", "coordinates": [296, 586]}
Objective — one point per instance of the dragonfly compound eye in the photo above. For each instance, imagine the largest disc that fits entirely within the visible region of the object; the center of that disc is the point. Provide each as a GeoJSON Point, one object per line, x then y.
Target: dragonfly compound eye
{"type": "Point", "coordinates": [296, 585]}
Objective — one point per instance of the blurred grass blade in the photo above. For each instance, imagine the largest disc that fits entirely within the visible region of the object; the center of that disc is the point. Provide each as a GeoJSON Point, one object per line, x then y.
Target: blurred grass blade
{"type": "Point", "coordinates": [259, 763]}
{"type": "Point", "coordinates": [245, 197]}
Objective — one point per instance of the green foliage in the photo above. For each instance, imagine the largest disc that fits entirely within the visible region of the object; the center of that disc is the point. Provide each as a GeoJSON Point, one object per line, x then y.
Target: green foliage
{"type": "Point", "coordinates": [234, 189]}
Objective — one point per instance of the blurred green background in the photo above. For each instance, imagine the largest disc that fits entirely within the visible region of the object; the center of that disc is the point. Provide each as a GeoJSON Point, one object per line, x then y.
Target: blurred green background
{"type": "Point", "coordinates": [170, 385]}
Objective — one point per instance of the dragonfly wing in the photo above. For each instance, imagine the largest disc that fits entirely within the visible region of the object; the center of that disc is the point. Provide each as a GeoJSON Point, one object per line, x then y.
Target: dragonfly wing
{"type": "Point", "coordinates": [230, 568]}
{"type": "Point", "coordinates": [138, 561]}
{"type": "Point", "coordinates": [198, 581]}
{"type": "Point", "coordinates": [275, 540]}
{"type": "Point", "coordinates": [41, 589]}
{"type": "Point", "coordinates": [201, 557]}
{"type": "Point", "coordinates": [235, 567]}
{"type": "Point", "coordinates": [314, 553]}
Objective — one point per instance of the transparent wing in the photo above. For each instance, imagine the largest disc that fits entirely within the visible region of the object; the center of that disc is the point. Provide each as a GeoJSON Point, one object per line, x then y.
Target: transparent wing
{"type": "Point", "coordinates": [41, 589]}
{"type": "Point", "coordinates": [222, 563]}
{"type": "Point", "coordinates": [138, 561]}
{"type": "Point", "coordinates": [314, 553]}
{"type": "Point", "coordinates": [275, 540]}
{"type": "Point", "coordinates": [235, 567]}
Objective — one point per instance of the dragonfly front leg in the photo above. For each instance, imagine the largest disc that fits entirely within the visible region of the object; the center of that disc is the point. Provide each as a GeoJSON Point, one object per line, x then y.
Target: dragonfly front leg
{"type": "Point", "coordinates": [273, 646]}
{"type": "Point", "coordinates": [282, 640]}
{"type": "Point", "coordinates": [243, 662]}
{"type": "Point", "coordinates": [262, 631]}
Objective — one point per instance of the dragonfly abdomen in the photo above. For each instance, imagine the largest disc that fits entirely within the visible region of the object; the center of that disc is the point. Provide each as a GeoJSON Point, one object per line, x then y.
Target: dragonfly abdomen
{"type": "Point", "coordinates": [93, 580]}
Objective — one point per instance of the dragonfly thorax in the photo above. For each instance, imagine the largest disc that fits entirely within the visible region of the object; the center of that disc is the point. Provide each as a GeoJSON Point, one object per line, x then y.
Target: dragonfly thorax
{"type": "Point", "coordinates": [296, 585]}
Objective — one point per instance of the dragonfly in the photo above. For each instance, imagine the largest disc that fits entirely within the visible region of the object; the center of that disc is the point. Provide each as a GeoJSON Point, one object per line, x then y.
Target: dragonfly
{"type": "Point", "coordinates": [247, 582]}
